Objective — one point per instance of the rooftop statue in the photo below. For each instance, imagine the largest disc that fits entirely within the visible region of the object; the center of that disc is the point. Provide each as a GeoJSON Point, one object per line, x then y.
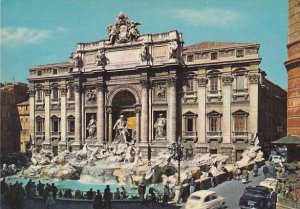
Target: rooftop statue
{"type": "Point", "coordinates": [124, 30]}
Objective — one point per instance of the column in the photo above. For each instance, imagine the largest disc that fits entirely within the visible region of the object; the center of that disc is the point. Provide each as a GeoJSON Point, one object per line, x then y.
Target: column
{"type": "Point", "coordinates": [144, 112]}
{"type": "Point", "coordinates": [201, 125]}
{"type": "Point", "coordinates": [63, 115]}
{"type": "Point", "coordinates": [46, 143]}
{"type": "Point", "coordinates": [77, 142]}
{"type": "Point", "coordinates": [100, 113]}
{"type": "Point", "coordinates": [253, 98]}
{"type": "Point", "coordinates": [31, 115]}
{"type": "Point", "coordinates": [226, 119]}
{"type": "Point", "coordinates": [172, 111]}
{"type": "Point", "coordinates": [110, 125]}
{"type": "Point", "coordinates": [137, 124]}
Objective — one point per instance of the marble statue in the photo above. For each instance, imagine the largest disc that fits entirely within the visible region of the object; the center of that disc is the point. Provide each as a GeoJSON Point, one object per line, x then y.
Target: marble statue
{"type": "Point", "coordinates": [160, 127]}
{"type": "Point", "coordinates": [91, 127]}
{"type": "Point", "coordinates": [173, 50]}
{"type": "Point", "coordinates": [77, 61]}
{"type": "Point", "coordinates": [121, 129]}
{"type": "Point", "coordinates": [101, 59]}
{"type": "Point", "coordinates": [123, 31]}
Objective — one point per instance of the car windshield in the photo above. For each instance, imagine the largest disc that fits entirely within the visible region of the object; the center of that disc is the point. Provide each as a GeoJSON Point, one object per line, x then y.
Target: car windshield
{"type": "Point", "coordinates": [254, 193]}
{"type": "Point", "coordinates": [194, 197]}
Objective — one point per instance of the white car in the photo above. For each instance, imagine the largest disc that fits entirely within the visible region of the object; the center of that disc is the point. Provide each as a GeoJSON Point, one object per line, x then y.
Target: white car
{"type": "Point", "coordinates": [269, 183]}
{"type": "Point", "coordinates": [204, 199]}
{"type": "Point", "coordinates": [277, 159]}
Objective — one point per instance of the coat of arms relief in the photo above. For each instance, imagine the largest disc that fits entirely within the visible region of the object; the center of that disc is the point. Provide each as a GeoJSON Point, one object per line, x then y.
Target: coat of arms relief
{"type": "Point", "coordinates": [124, 30]}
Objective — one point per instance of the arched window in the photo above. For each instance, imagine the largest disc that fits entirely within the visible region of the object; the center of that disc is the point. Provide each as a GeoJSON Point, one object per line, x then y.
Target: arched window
{"type": "Point", "coordinates": [214, 123]}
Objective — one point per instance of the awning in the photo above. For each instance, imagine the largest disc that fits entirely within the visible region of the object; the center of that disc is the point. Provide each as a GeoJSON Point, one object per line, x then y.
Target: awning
{"type": "Point", "coordinates": [288, 140]}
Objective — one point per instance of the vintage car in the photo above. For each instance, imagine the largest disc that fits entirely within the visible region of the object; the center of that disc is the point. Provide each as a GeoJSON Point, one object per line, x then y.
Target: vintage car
{"type": "Point", "coordinates": [277, 159]}
{"type": "Point", "coordinates": [269, 183]}
{"type": "Point", "coordinates": [204, 199]}
{"type": "Point", "coordinates": [257, 197]}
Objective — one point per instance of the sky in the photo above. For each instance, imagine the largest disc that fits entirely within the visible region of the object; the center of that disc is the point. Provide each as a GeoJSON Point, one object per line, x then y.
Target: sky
{"type": "Point", "coordinates": [35, 32]}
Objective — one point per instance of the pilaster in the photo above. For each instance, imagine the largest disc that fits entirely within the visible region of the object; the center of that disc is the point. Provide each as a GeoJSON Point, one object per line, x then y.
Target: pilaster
{"type": "Point", "coordinates": [77, 142]}
{"type": "Point", "coordinates": [172, 110]}
{"type": "Point", "coordinates": [32, 115]}
{"type": "Point", "coordinates": [100, 113]}
{"type": "Point", "coordinates": [226, 120]}
{"type": "Point", "coordinates": [144, 111]}
{"type": "Point", "coordinates": [63, 123]}
{"type": "Point", "coordinates": [201, 129]}
{"type": "Point", "coordinates": [253, 98]}
{"type": "Point", "coordinates": [46, 143]}
{"type": "Point", "coordinates": [110, 125]}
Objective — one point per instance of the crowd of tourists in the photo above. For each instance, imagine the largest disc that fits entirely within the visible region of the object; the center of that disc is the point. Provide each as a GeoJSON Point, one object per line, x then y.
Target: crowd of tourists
{"type": "Point", "coordinates": [15, 194]}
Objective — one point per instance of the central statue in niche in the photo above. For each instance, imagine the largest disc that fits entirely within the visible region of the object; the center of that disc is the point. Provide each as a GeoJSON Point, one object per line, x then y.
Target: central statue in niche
{"type": "Point", "coordinates": [121, 130]}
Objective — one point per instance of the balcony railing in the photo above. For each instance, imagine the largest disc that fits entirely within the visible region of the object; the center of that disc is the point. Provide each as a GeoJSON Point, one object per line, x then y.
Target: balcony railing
{"type": "Point", "coordinates": [70, 133]}
{"type": "Point", "coordinates": [214, 91]}
{"type": "Point", "coordinates": [190, 134]}
{"type": "Point", "coordinates": [240, 133]}
{"type": "Point", "coordinates": [55, 133]}
{"type": "Point", "coordinates": [39, 133]}
{"type": "Point", "coordinates": [55, 100]}
{"type": "Point", "coordinates": [240, 91]}
{"type": "Point", "coordinates": [214, 133]}
{"type": "Point", "coordinates": [39, 101]}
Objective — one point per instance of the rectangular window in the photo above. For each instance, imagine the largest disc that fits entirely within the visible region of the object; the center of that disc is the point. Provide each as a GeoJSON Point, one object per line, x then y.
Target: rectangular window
{"type": "Point", "coordinates": [213, 124]}
{"type": "Point", "coordinates": [214, 55]}
{"type": "Point", "coordinates": [54, 71]}
{"type": "Point", "coordinates": [240, 123]}
{"type": "Point", "coordinates": [190, 58]}
{"type": "Point", "coordinates": [71, 125]}
{"type": "Point", "coordinates": [214, 85]}
{"type": "Point", "coordinates": [190, 85]}
{"type": "Point", "coordinates": [39, 95]}
{"type": "Point", "coordinates": [71, 94]}
{"type": "Point", "coordinates": [55, 125]}
{"type": "Point", "coordinates": [39, 126]}
{"type": "Point", "coordinates": [55, 94]}
{"type": "Point", "coordinates": [39, 73]}
{"type": "Point", "coordinates": [190, 124]}
{"type": "Point", "coordinates": [240, 82]}
{"type": "Point", "coordinates": [240, 53]}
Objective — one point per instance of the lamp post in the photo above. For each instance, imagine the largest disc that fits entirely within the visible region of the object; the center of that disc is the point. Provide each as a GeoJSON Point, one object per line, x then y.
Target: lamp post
{"type": "Point", "coordinates": [178, 154]}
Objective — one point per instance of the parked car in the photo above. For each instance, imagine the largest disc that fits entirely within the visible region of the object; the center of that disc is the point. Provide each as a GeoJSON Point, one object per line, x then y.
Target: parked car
{"type": "Point", "coordinates": [277, 159]}
{"type": "Point", "coordinates": [204, 199]}
{"type": "Point", "coordinates": [257, 197]}
{"type": "Point", "coordinates": [269, 183]}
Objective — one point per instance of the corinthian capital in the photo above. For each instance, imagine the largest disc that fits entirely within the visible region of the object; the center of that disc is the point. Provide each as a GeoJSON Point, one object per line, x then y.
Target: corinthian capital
{"type": "Point", "coordinates": [100, 86]}
{"type": "Point", "coordinates": [253, 78]}
{"type": "Point", "coordinates": [145, 83]}
{"type": "Point", "coordinates": [202, 82]}
{"type": "Point", "coordinates": [47, 91]}
{"type": "Point", "coordinates": [227, 79]}
{"type": "Point", "coordinates": [172, 82]}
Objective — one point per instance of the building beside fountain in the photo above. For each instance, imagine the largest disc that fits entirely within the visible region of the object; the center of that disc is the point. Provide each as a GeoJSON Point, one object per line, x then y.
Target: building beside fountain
{"type": "Point", "coordinates": [151, 88]}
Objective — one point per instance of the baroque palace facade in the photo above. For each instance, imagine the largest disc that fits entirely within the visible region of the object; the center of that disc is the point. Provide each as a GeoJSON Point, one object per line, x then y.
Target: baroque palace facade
{"type": "Point", "coordinates": [211, 94]}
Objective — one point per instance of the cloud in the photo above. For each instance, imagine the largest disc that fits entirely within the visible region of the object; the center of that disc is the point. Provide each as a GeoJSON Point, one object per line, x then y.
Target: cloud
{"type": "Point", "coordinates": [62, 29]}
{"type": "Point", "coordinates": [23, 36]}
{"type": "Point", "coordinates": [215, 17]}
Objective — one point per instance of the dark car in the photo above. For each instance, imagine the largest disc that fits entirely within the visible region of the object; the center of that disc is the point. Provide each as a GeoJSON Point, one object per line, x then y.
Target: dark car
{"type": "Point", "coordinates": [257, 197]}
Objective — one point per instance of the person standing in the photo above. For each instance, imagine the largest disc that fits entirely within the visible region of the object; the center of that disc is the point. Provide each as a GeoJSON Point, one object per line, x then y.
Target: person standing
{"type": "Point", "coordinates": [266, 171]}
{"type": "Point", "coordinates": [273, 197]}
{"type": "Point", "coordinates": [192, 185]}
{"type": "Point", "coordinates": [107, 197]}
{"type": "Point", "coordinates": [180, 193]}
{"type": "Point", "coordinates": [54, 191]}
{"type": "Point", "coordinates": [124, 192]}
{"type": "Point", "coordinates": [166, 194]}
{"type": "Point", "coordinates": [98, 204]}
{"type": "Point", "coordinates": [50, 202]}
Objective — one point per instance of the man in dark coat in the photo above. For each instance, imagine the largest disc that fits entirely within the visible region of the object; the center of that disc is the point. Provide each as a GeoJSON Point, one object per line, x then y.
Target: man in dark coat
{"type": "Point", "coordinates": [273, 197]}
